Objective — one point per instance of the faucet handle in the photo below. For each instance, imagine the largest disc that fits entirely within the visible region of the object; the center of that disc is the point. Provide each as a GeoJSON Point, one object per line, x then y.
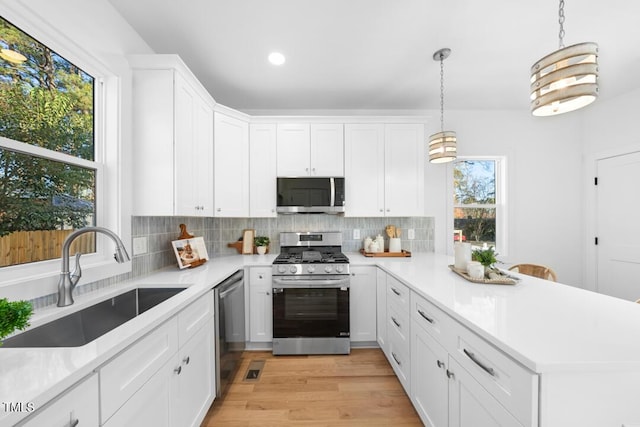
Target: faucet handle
{"type": "Point", "coordinates": [77, 271]}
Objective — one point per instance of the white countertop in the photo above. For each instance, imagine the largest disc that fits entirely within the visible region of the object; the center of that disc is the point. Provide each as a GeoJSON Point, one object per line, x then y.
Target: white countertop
{"type": "Point", "coordinates": [546, 326]}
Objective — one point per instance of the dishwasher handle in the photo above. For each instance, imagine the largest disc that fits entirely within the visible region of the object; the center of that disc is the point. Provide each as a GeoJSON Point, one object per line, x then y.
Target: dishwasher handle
{"type": "Point", "coordinates": [230, 284]}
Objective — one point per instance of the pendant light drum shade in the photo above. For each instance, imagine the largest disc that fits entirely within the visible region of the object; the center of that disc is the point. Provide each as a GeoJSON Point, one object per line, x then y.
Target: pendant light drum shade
{"type": "Point", "coordinates": [442, 147]}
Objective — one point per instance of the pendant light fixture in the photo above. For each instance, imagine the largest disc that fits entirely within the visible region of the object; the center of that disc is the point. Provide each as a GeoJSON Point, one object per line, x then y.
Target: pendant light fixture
{"type": "Point", "coordinates": [566, 79]}
{"type": "Point", "coordinates": [442, 145]}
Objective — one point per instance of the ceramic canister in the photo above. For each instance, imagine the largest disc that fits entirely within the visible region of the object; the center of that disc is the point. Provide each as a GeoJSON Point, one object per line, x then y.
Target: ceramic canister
{"type": "Point", "coordinates": [462, 252]}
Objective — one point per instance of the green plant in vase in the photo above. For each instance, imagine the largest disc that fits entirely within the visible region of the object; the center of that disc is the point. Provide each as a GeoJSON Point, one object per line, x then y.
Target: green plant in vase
{"type": "Point", "coordinates": [261, 243]}
{"type": "Point", "coordinates": [486, 257]}
{"type": "Point", "coordinates": [13, 316]}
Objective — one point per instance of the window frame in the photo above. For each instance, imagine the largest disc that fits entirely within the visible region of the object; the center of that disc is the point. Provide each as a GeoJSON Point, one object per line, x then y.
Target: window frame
{"type": "Point", "coordinates": [500, 205]}
{"type": "Point", "coordinates": [36, 279]}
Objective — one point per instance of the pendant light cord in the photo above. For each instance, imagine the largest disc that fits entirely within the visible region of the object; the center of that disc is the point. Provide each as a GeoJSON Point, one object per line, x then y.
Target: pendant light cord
{"type": "Point", "coordinates": [441, 93]}
{"type": "Point", "coordinates": [561, 22]}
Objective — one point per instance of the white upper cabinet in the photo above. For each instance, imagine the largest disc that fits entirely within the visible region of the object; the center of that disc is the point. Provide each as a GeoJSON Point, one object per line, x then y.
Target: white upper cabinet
{"type": "Point", "coordinates": [327, 150]}
{"type": "Point", "coordinates": [231, 163]}
{"type": "Point", "coordinates": [404, 163]}
{"type": "Point", "coordinates": [364, 169]}
{"type": "Point", "coordinates": [384, 169]}
{"type": "Point", "coordinates": [173, 139]}
{"type": "Point", "coordinates": [262, 166]}
{"type": "Point", "coordinates": [293, 149]}
{"type": "Point", "coordinates": [310, 150]}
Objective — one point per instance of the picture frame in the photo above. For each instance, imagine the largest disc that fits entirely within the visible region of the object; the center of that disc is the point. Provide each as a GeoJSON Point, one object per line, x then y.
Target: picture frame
{"type": "Point", "coordinates": [190, 252]}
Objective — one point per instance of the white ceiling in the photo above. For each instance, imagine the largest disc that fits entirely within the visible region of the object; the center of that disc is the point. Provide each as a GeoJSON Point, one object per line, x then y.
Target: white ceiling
{"type": "Point", "coordinates": [377, 54]}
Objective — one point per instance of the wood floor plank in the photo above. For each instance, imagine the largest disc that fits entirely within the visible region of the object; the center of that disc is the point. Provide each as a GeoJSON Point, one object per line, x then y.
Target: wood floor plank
{"type": "Point", "coordinates": [315, 391]}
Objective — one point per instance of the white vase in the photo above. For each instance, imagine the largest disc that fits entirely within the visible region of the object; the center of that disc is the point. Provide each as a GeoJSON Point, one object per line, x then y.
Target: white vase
{"type": "Point", "coordinates": [395, 244]}
{"type": "Point", "coordinates": [261, 250]}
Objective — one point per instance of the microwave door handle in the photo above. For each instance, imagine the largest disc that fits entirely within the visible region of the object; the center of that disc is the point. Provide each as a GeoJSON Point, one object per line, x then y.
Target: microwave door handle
{"type": "Point", "coordinates": [332, 202]}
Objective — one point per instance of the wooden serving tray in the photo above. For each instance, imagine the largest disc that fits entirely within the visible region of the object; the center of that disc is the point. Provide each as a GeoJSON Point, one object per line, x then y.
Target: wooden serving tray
{"type": "Point", "coordinates": [503, 278]}
{"type": "Point", "coordinates": [403, 254]}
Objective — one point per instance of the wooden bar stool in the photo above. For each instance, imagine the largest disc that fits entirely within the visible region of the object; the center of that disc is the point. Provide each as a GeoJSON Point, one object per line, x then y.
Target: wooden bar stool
{"type": "Point", "coordinates": [535, 270]}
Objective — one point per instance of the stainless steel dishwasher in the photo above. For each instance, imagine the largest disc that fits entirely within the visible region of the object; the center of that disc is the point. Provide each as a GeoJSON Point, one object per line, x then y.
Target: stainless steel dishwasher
{"type": "Point", "coordinates": [230, 334]}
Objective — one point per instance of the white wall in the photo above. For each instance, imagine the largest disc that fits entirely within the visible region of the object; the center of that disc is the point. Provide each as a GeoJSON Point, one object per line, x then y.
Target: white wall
{"type": "Point", "coordinates": [544, 187]}
{"type": "Point", "coordinates": [610, 128]}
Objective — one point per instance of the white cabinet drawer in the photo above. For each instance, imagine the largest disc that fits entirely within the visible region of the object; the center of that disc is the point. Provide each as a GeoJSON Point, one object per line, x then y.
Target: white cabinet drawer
{"type": "Point", "coordinates": [399, 358]}
{"type": "Point", "coordinates": [398, 294]}
{"type": "Point", "coordinates": [192, 318]}
{"type": "Point", "coordinates": [398, 324]}
{"type": "Point", "coordinates": [260, 276]}
{"type": "Point", "coordinates": [434, 321]}
{"type": "Point", "coordinates": [122, 377]}
{"type": "Point", "coordinates": [514, 386]}
{"type": "Point", "coordinates": [78, 405]}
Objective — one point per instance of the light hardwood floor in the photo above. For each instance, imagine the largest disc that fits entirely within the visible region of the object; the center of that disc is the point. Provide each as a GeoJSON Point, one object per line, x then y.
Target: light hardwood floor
{"type": "Point", "coordinates": [360, 389]}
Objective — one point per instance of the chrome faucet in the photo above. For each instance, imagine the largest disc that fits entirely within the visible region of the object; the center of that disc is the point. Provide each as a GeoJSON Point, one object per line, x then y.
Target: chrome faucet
{"type": "Point", "coordinates": [69, 280]}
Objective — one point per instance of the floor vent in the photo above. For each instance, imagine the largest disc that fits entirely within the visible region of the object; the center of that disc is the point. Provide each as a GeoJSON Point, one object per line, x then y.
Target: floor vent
{"type": "Point", "coordinates": [254, 370]}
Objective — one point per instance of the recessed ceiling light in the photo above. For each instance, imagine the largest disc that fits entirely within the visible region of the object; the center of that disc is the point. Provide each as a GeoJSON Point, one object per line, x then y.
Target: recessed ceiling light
{"type": "Point", "coordinates": [276, 58]}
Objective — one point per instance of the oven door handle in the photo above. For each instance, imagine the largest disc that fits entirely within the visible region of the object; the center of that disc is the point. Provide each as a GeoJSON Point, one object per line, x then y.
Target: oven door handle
{"type": "Point", "coordinates": [310, 283]}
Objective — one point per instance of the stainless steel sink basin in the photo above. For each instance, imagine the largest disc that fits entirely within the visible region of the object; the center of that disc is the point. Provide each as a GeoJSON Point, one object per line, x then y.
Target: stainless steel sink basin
{"type": "Point", "coordinates": [86, 325]}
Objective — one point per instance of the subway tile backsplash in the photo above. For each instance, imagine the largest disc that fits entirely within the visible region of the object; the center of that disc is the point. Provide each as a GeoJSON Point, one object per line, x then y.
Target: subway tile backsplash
{"type": "Point", "coordinates": [219, 232]}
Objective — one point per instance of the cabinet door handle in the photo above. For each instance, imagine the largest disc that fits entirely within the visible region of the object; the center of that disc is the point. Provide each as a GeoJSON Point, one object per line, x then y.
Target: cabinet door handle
{"type": "Point", "coordinates": [178, 370]}
{"type": "Point", "coordinates": [427, 318]}
{"type": "Point", "coordinates": [450, 375]}
{"type": "Point", "coordinates": [439, 363]}
{"type": "Point", "coordinates": [74, 423]}
{"type": "Point", "coordinates": [186, 360]}
{"type": "Point", "coordinates": [381, 210]}
{"type": "Point", "coordinates": [219, 209]}
{"type": "Point", "coordinates": [472, 356]}
{"type": "Point", "coordinates": [395, 358]}
{"type": "Point", "coordinates": [395, 291]}
{"type": "Point", "coordinates": [393, 319]}
{"type": "Point", "coordinates": [268, 293]}
{"type": "Point", "coordinates": [260, 276]}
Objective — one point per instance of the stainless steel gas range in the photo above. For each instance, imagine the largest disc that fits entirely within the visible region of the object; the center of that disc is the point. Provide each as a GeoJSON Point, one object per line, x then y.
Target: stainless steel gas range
{"type": "Point", "coordinates": [311, 295]}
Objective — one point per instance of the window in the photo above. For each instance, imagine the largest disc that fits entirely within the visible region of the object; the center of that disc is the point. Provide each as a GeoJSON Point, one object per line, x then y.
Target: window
{"type": "Point", "coordinates": [48, 171]}
{"type": "Point", "coordinates": [477, 202]}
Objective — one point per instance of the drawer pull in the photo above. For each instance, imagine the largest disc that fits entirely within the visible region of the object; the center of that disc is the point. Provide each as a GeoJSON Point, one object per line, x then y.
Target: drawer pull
{"type": "Point", "coordinates": [425, 317]}
{"type": "Point", "coordinates": [472, 356]}
{"type": "Point", "coordinates": [393, 319]}
{"type": "Point", "coordinates": [186, 360]}
{"type": "Point", "coordinates": [74, 423]}
{"type": "Point", "coordinates": [395, 358]}
{"type": "Point", "coordinates": [178, 370]}
{"type": "Point", "coordinates": [439, 363]}
{"type": "Point", "coordinates": [450, 375]}
{"type": "Point", "coordinates": [395, 291]}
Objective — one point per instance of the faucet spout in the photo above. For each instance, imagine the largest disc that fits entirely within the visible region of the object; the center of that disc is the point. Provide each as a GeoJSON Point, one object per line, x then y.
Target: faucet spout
{"type": "Point", "coordinates": [69, 280]}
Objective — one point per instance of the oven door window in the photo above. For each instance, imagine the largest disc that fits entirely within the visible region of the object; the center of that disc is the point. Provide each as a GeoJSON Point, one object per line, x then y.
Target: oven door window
{"type": "Point", "coordinates": [310, 312]}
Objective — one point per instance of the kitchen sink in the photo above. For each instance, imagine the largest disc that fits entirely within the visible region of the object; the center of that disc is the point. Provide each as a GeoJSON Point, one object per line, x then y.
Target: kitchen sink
{"type": "Point", "coordinates": [84, 326]}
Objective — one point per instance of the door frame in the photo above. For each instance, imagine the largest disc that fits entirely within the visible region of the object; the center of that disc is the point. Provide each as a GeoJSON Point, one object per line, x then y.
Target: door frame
{"type": "Point", "coordinates": [590, 257]}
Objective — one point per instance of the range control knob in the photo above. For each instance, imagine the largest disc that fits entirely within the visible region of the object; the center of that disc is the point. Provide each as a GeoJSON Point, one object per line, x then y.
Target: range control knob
{"type": "Point", "coordinates": [293, 269]}
{"type": "Point", "coordinates": [282, 269]}
{"type": "Point", "coordinates": [327, 269]}
{"type": "Point", "coordinates": [339, 269]}
{"type": "Point", "coordinates": [311, 269]}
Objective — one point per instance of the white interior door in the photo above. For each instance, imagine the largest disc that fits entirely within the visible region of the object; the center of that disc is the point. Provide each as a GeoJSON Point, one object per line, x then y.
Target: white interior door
{"type": "Point", "coordinates": [617, 226]}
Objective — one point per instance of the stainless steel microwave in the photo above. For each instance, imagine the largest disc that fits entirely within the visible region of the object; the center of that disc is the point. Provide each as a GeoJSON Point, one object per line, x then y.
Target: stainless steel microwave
{"type": "Point", "coordinates": [310, 195]}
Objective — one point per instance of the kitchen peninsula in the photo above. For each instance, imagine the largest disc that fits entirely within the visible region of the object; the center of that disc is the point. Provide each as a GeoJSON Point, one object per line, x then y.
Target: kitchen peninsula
{"type": "Point", "coordinates": [542, 353]}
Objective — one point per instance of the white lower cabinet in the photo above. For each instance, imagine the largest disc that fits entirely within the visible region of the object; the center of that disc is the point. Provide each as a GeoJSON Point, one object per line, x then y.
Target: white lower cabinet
{"type": "Point", "coordinates": [166, 378]}
{"type": "Point", "coordinates": [362, 304]}
{"type": "Point", "coordinates": [471, 405]}
{"type": "Point", "coordinates": [381, 309]}
{"type": "Point", "coordinates": [398, 330]}
{"type": "Point", "coordinates": [78, 406]}
{"type": "Point", "coordinates": [459, 380]}
{"type": "Point", "coordinates": [193, 388]}
{"type": "Point", "coordinates": [260, 305]}
{"type": "Point", "coordinates": [430, 385]}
